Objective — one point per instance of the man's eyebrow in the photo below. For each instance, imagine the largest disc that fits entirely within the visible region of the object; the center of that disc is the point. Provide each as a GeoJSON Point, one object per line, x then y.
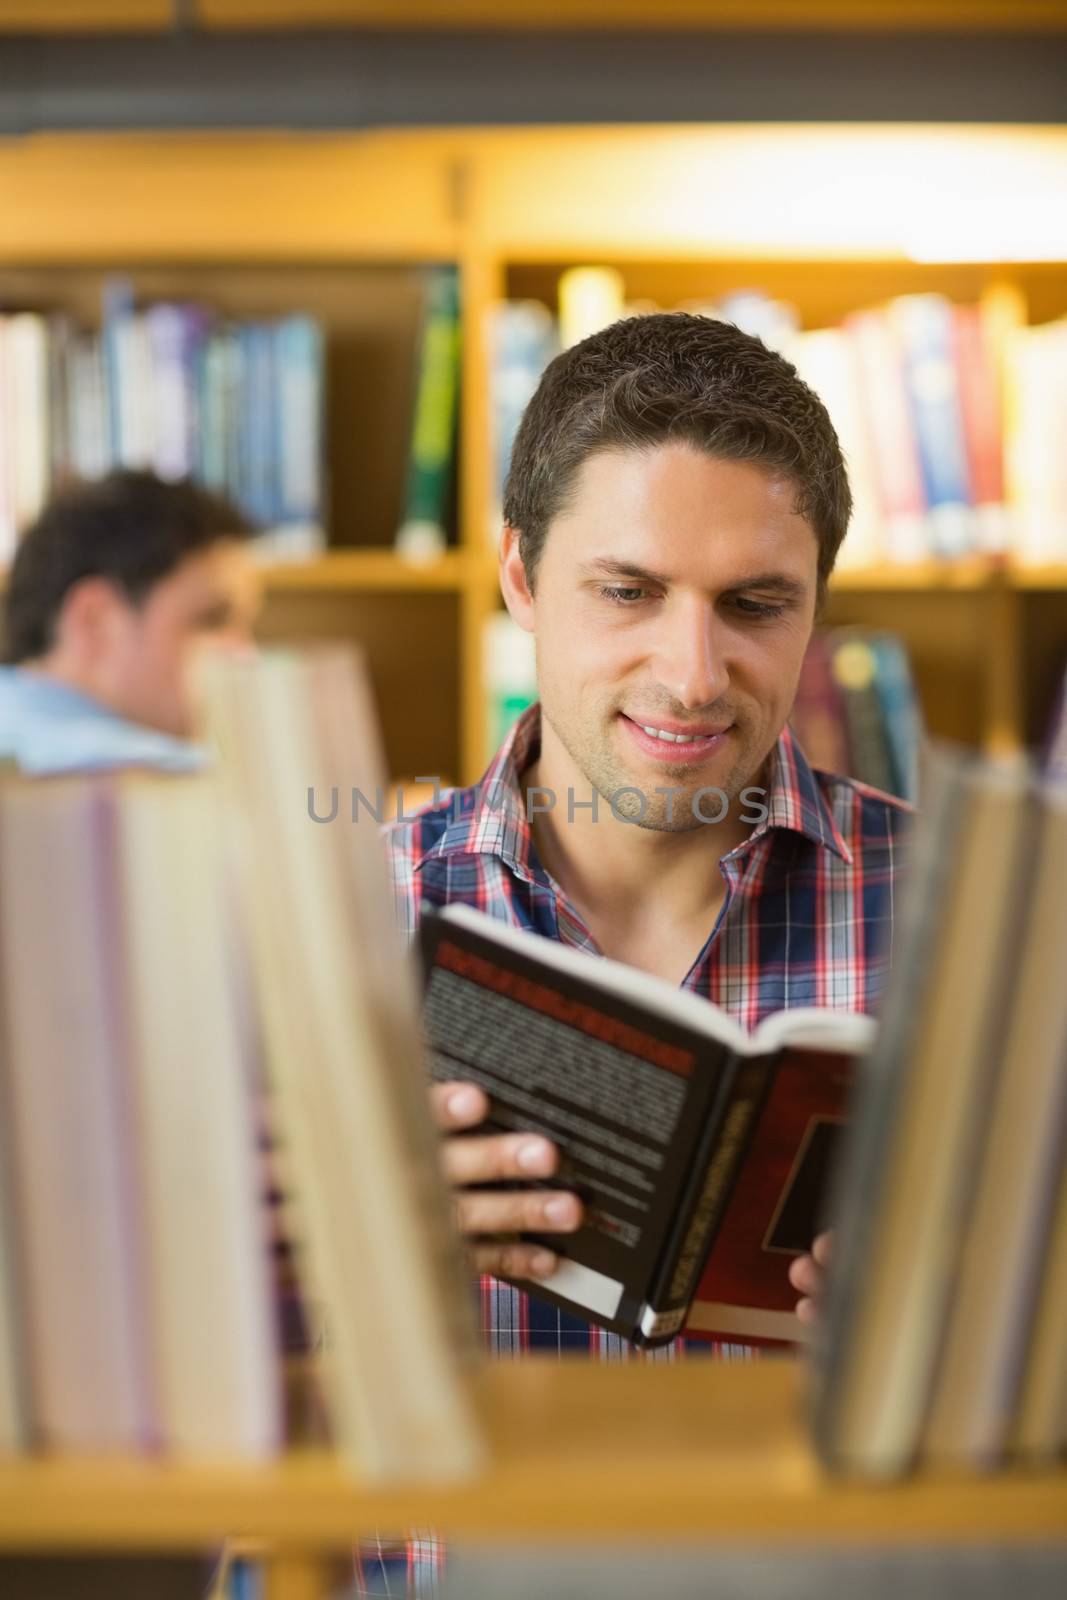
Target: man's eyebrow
{"type": "Point", "coordinates": [771, 582]}
{"type": "Point", "coordinates": [623, 569]}
{"type": "Point", "coordinates": [220, 610]}
{"type": "Point", "coordinates": [768, 582]}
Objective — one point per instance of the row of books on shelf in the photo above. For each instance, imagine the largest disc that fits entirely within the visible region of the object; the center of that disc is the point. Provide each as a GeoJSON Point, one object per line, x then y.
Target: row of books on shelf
{"type": "Point", "coordinates": [856, 712]}
{"type": "Point", "coordinates": [238, 405]}
{"type": "Point", "coordinates": [170, 386]}
{"type": "Point", "coordinates": [950, 416]}
{"type": "Point", "coordinates": [219, 965]}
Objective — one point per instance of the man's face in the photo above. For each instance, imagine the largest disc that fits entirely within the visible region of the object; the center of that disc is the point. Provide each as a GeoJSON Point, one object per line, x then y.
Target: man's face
{"type": "Point", "coordinates": [146, 654]}
{"type": "Point", "coordinates": [676, 594]}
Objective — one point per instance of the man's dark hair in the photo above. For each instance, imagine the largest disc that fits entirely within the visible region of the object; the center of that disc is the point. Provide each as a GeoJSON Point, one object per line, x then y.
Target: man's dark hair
{"type": "Point", "coordinates": [130, 527]}
{"type": "Point", "coordinates": [671, 376]}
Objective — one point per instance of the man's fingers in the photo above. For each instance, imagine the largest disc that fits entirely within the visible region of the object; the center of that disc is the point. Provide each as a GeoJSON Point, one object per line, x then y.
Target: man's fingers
{"type": "Point", "coordinates": [497, 1156]}
{"type": "Point", "coordinates": [458, 1105]}
{"type": "Point", "coordinates": [523, 1211]}
{"type": "Point", "coordinates": [805, 1275]}
{"type": "Point", "coordinates": [514, 1260]}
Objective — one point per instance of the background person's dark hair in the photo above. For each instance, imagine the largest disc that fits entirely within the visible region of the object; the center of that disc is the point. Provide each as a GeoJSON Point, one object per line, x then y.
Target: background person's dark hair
{"type": "Point", "coordinates": [130, 527]}
{"type": "Point", "coordinates": [649, 380]}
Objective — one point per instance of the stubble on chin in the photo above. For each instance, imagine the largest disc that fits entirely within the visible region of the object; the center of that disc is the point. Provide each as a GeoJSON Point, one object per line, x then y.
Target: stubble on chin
{"type": "Point", "coordinates": [662, 801]}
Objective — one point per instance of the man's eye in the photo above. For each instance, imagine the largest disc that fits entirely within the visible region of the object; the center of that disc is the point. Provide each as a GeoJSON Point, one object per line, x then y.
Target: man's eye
{"type": "Point", "coordinates": [757, 608]}
{"type": "Point", "coordinates": [621, 595]}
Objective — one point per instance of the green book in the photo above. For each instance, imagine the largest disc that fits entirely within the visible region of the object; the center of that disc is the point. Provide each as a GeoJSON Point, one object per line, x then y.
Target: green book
{"type": "Point", "coordinates": [433, 434]}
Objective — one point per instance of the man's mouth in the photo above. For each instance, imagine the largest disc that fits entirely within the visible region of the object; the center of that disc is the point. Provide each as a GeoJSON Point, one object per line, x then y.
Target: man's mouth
{"type": "Point", "coordinates": [674, 740]}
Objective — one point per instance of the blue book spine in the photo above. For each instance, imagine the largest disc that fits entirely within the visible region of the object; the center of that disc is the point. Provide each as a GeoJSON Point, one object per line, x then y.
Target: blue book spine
{"type": "Point", "coordinates": [895, 688]}
{"type": "Point", "coordinates": [525, 339]}
{"type": "Point", "coordinates": [256, 427]}
{"type": "Point", "coordinates": [924, 329]}
{"type": "Point", "coordinates": [243, 492]}
{"type": "Point", "coordinates": [298, 419]}
{"type": "Point", "coordinates": [265, 455]}
{"type": "Point", "coordinates": [117, 313]}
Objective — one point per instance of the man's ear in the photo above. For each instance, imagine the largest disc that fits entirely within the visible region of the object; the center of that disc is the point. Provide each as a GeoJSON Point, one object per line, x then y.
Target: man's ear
{"type": "Point", "coordinates": [513, 584]}
{"type": "Point", "coordinates": [91, 610]}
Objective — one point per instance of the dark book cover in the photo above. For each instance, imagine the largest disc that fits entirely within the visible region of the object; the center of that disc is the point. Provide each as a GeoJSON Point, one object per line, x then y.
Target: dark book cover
{"type": "Point", "coordinates": [676, 1132]}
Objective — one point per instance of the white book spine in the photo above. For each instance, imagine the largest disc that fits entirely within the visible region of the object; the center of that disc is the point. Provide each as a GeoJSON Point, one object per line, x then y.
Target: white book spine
{"type": "Point", "coordinates": [209, 1267]}
{"type": "Point", "coordinates": [74, 1194]}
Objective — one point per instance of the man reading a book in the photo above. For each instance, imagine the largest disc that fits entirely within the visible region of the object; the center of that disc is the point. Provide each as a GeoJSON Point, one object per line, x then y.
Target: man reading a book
{"type": "Point", "coordinates": [674, 507]}
{"type": "Point", "coordinates": [113, 592]}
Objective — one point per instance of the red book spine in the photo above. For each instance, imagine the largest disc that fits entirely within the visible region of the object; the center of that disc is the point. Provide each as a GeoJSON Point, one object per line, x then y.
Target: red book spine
{"type": "Point", "coordinates": [980, 404]}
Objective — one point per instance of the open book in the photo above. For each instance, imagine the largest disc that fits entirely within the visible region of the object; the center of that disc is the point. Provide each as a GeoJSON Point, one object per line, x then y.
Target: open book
{"type": "Point", "coordinates": [700, 1151]}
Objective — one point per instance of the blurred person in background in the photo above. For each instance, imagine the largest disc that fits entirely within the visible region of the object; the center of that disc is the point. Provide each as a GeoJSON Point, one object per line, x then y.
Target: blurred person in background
{"type": "Point", "coordinates": [113, 591]}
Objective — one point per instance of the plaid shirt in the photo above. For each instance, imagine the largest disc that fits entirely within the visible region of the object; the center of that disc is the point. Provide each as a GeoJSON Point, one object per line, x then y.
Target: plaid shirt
{"type": "Point", "coordinates": [806, 921]}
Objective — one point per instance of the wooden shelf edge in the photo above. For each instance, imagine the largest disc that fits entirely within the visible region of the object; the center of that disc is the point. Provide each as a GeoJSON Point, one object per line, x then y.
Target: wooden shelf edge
{"type": "Point", "coordinates": [927, 575]}
{"type": "Point", "coordinates": [516, 248]}
{"type": "Point", "coordinates": [697, 1450]}
{"type": "Point", "coordinates": [962, 575]}
{"type": "Point", "coordinates": [1046, 577]}
{"type": "Point", "coordinates": [689, 15]}
{"type": "Point", "coordinates": [379, 570]}
{"type": "Point", "coordinates": [383, 571]}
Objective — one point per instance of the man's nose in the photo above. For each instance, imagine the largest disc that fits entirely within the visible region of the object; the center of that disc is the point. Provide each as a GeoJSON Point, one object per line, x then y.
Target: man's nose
{"type": "Point", "coordinates": [689, 661]}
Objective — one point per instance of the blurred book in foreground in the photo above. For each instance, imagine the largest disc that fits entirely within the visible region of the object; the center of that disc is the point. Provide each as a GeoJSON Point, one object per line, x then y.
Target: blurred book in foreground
{"type": "Point", "coordinates": [183, 924]}
{"type": "Point", "coordinates": [137, 1295]}
{"type": "Point", "coordinates": [372, 1240]}
{"type": "Point", "coordinates": [943, 1336]}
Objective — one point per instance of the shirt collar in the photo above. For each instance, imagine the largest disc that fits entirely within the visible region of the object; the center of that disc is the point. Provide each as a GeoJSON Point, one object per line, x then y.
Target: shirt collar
{"type": "Point", "coordinates": [796, 801]}
{"type": "Point", "coordinates": [490, 818]}
{"type": "Point", "coordinates": [49, 729]}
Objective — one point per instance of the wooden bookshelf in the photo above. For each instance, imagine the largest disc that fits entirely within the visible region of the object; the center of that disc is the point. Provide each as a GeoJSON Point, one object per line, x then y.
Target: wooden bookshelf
{"type": "Point", "coordinates": [379, 571]}
{"type": "Point", "coordinates": [342, 226]}
{"type": "Point", "coordinates": [88, 16]}
{"type": "Point", "coordinates": [579, 1451]}
{"type": "Point", "coordinates": [701, 15]}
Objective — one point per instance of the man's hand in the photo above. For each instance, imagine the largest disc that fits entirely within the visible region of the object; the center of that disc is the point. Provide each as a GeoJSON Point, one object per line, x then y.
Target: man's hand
{"type": "Point", "coordinates": [807, 1274]}
{"type": "Point", "coordinates": [489, 1158]}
